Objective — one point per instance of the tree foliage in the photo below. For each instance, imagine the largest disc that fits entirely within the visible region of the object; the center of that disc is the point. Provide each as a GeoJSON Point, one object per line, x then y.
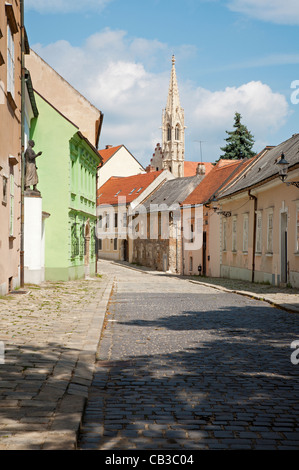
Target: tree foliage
{"type": "Point", "coordinates": [239, 142]}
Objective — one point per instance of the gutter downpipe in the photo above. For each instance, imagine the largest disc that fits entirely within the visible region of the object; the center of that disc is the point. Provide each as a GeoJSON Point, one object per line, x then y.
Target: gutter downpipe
{"type": "Point", "coordinates": [254, 234]}
{"type": "Point", "coordinates": [22, 140]}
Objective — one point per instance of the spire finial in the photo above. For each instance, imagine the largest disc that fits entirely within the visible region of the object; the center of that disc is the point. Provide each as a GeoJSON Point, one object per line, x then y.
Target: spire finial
{"type": "Point", "coordinates": [173, 60]}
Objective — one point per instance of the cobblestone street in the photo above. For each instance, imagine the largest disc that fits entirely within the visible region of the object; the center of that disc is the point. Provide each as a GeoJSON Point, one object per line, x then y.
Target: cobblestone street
{"type": "Point", "coordinates": [174, 364]}
{"type": "Point", "coordinates": [182, 365]}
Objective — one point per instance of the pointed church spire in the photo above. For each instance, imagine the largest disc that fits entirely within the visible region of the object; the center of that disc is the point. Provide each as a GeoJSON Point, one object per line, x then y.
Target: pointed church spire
{"type": "Point", "coordinates": [173, 129]}
{"type": "Point", "coordinates": [173, 100]}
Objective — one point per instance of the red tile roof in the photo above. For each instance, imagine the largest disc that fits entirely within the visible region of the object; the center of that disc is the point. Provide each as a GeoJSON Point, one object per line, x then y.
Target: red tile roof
{"type": "Point", "coordinates": [108, 152]}
{"type": "Point", "coordinates": [191, 167]}
{"type": "Point", "coordinates": [129, 187]}
{"type": "Point", "coordinates": [222, 173]}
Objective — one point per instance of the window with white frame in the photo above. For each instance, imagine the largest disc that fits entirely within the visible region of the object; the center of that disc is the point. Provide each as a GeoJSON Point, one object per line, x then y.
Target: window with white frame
{"type": "Point", "coordinates": [234, 233]}
{"type": "Point", "coordinates": [224, 232]}
{"type": "Point", "coordinates": [270, 231]}
{"type": "Point", "coordinates": [10, 62]}
{"type": "Point", "coordinates": [258, 245]}
{"type": "Point", "coordinates": [245, 232]}
{"type": "Point", "coordinates": [124, 220]}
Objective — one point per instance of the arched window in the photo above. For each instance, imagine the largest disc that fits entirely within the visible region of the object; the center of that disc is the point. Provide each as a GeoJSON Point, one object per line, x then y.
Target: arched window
{"type": "Point", "coordinates": [168, 132]}
{"type": "Point", "coordinates": [177, 132]}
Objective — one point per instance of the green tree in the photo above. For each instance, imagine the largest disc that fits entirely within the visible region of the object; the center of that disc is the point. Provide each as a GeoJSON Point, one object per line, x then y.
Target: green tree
{"type": "Point", "coordinates": [239, 142]}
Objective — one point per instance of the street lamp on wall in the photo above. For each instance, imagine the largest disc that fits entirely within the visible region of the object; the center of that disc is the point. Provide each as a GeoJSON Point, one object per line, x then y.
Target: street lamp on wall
{"type": "Point", "coordinates": [217, 209]}
{"type": "Point", "coordinates": [283, 171]}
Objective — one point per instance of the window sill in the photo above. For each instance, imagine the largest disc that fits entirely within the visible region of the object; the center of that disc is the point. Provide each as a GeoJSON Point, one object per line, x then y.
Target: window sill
{"type": "Point", "coordinates": [11, 238]}
{"type": "Point", "coordinates": [269, 253]}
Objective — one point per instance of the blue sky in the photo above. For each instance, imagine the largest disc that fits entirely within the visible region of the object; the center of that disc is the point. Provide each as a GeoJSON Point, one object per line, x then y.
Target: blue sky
{"type": "Point", "coordinates": [231, 56]}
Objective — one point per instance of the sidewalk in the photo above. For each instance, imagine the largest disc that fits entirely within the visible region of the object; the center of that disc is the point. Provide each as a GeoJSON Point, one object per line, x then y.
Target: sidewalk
{"type": "Point", "coordinates": [50, 334]}
{"type": "Point", "coordinates": [286, 298]}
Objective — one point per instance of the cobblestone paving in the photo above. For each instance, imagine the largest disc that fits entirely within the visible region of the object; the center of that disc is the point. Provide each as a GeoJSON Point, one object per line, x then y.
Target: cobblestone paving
{"type": "Point", "coordinates": [50, 335]}
{"type": "Point", "coordinates": [186, 366]}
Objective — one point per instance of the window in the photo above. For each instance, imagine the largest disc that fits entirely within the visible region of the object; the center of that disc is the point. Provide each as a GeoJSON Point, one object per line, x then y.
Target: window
{"type": "Point", "coordinates": [100, 241]}
{"type": "Point", "coordinates": [115, 220]}
{"type": "Point", "coordinates": [4, 190]}
{"type": "Point", "coordinates": [190, 263]}
{"type": "Point", "coordinates": [245, 233]}
{"type": "Point", "coordinates": [107, 221]}
{"type": "Point", "coordinates": [10, 62]}
{"type": "Point", "coordinates": [100, 221]}
{"type": "Point", "coordinates": [192, 232]}
{"type": "Point", "coordinates": [270, 232]}
{"type": "Point", "coordinates": [125, 220]}
{"type": "Point", "coordinates": [234, 234]}
{"type": "Point", "coordinates": [177, 132]}
{"type": "Point", "coordinates": [258, 245]}
{"type": "Point", "coordinates": [115, 244]}
{"type": "Point", "coordinates": [12, 205]}
{"type": "Point", "coordinates": [224, 243]}
{"type": "Point", "coordinates": [132, 191]}
{"type": "Point", "coordinates": [168, 132]}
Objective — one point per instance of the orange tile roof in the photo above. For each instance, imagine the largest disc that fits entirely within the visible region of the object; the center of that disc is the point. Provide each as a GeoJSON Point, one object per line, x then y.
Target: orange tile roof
{"type": "Point", "coordinates": [190, 168]}
{"type": "Point", "coordinates": [129, 187]}
{"type": "Point", "coordinates": [107, 153]}
{"type": "Point", "coordinates": [222, 173]}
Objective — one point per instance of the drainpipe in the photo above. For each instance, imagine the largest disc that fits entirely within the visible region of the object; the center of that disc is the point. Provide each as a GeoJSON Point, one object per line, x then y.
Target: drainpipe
{"type": "Point", "coordinates": [254, 198]}
{"type": "Point", "coordinates": [22, 140]}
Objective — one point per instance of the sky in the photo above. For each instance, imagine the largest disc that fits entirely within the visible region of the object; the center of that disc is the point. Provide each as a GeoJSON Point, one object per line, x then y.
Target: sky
{"type": "Point", "coordinates": [231, 56]}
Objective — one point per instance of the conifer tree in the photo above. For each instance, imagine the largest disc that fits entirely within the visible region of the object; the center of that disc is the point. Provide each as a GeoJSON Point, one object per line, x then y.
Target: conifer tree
{"type": "Point", "coordinates": [239, 142]}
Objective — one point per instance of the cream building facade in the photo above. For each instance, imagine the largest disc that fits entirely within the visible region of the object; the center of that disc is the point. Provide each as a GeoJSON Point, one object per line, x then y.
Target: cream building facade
{"type": "Point", "coordinates": [118, 161]}
{"type": "Point", "coordinates": [260, 238]}
{"type": "Point", "coordinates": [57, 91]}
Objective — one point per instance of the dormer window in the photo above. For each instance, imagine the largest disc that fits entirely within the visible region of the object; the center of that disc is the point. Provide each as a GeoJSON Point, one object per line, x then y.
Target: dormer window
{"type": "Point", "coordinates": [132, 191]}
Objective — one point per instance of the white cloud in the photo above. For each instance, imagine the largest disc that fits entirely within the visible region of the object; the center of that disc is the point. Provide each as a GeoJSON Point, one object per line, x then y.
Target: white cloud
{"type": "Point", "coordinates": [276, 11]}
{"type": "Point", "coordinates": [65, 6]}
{"type": "Point", "coordinates": [263, 111]}
{"type": "Point", "coordinates": [111, 70]}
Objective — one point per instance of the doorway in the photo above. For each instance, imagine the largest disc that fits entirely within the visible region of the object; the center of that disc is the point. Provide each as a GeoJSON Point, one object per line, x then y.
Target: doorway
{"type": "Point", "coordinates": [284, 248]}
{"type": "Point", "coordinates": [204, 253]}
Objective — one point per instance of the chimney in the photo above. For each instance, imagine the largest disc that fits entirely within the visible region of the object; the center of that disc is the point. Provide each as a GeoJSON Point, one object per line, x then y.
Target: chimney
{"type": "Point", "coordinates": [201, 169]}
{"type": "Point", "coordinates": [108, 147]}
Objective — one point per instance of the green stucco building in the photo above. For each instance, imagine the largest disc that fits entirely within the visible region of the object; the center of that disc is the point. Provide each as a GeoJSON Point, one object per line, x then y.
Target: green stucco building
{"type": "Point", "coordinates": [67, 172]}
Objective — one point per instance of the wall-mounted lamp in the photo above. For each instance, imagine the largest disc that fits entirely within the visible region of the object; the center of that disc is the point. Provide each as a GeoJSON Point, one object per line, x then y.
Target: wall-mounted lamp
{"type": "Point", "coordinates": [217, 209]}
{"type": "Point", "coordinates": [283, 171]}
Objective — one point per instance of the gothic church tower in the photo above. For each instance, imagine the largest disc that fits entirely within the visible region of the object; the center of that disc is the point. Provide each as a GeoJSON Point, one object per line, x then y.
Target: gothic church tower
{"type": "Point", "coordinates": [173, 129]}
{"type": "Point", "coordinates": [171, 155]}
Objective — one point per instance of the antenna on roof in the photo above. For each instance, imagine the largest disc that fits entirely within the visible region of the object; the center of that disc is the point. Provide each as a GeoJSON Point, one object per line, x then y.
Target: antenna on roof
{"type": "Point", "coordinates": [200, 142]}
